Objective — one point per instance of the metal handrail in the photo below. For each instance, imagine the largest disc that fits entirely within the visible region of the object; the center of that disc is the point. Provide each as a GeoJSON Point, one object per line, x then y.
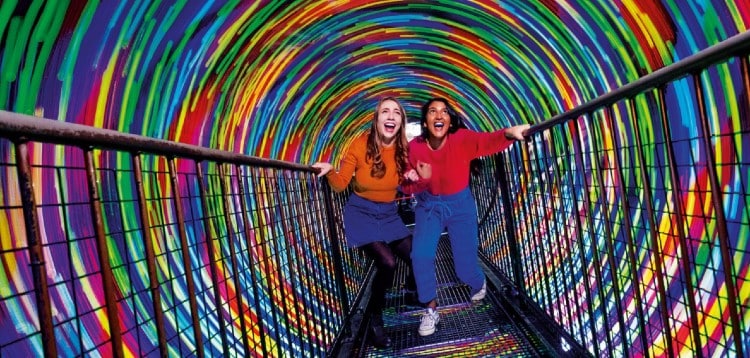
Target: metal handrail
{"type": "Point", "coordinates": [30, 128]}
{"type": "Point", "coordinates": [691, 68]}
{"type": "Point", "coordinates": [735, 45]}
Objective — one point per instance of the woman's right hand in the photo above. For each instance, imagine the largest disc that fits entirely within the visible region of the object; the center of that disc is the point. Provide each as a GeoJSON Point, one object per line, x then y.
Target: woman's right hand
{"type": "Point", "coordinates": [517, 132]}
{"type": "Point", "coordinates": [323, 167]}
{"type": "Point", "coordinates": [411, 175]}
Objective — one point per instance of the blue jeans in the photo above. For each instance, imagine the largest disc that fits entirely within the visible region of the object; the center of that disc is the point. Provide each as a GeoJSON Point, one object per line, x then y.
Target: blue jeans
{"type": "Point", "coordinates": [458, 214]}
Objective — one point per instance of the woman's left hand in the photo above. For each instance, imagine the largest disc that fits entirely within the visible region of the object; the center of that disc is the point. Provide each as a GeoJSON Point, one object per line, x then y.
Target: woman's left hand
{"type": "Point", "coordinates": [517, 132]}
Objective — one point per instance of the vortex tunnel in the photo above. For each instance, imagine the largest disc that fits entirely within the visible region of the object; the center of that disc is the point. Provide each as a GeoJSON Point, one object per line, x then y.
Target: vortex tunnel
{"type": "Point", "coordinates": [295, 81]}
{"type": "Point", "coordinates": [263, 77]}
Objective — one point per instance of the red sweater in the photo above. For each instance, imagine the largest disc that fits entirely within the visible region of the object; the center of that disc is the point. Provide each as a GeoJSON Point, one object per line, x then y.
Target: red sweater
{"type": "Point", "coordinates": [450, 163]}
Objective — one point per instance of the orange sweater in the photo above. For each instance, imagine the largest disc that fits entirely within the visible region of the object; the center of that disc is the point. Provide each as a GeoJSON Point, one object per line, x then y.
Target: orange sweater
{"type": "Point", "coordinates": [380, 190]}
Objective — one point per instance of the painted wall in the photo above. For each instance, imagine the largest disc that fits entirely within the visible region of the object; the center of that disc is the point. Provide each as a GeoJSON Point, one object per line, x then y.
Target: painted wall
{"type": "Point", "coordinates": [261, 77]}
{"type": "Point", "coordinates": [296, 80]}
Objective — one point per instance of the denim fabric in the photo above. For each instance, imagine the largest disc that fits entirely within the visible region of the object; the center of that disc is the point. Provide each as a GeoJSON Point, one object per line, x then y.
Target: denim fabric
{"type": "Point", "coordinates": [368, 221]}
{"type": "Point", "coordinates": [458, 214]}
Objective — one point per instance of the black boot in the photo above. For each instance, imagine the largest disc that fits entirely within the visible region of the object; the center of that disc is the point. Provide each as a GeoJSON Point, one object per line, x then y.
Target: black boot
{"type": "Point", "coordinates": [378, 338]}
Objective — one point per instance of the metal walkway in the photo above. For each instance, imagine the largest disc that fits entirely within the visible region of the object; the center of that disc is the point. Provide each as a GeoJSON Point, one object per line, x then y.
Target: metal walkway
{"type": "Point", "coordinates": [490, 328]}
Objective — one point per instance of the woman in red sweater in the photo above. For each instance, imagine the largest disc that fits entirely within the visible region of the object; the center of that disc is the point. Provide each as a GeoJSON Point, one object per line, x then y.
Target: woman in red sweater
{"type": "Point", "coordinates": [377, 161]}
{"type": "Point", "coordinates": [448, 203]}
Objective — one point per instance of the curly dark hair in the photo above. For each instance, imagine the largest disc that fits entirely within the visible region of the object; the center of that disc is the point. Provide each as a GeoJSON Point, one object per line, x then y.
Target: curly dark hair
{"type": "Point", "coordinates": [456, 123]}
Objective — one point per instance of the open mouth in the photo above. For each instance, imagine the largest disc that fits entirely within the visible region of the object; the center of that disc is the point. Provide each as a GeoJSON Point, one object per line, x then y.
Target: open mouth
{"type": "Point", "coordinates": [390, 127]}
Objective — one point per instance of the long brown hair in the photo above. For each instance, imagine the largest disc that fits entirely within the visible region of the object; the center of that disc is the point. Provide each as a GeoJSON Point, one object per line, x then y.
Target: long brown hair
{"type": "Point", "coordinates": [373, 144]}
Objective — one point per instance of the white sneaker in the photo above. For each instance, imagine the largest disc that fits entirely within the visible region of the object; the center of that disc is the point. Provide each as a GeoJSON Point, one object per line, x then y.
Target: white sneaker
{"type": "Point", "coordinates": [482, 292]}
{"type": "Point", "coordinates": [428, 322]}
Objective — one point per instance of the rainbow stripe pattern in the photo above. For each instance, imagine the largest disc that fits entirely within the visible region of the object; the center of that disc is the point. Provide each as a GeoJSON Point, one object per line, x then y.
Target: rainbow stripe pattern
{"type": "Point", "coordinates": [297, 80]}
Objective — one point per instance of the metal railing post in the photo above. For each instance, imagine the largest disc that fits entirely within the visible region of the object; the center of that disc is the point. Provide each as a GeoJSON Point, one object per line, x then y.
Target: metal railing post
{"type": "Point", "coordinates": [721, 221]}
{"type": "Point", "coordinates": [335, 247]}
{"type": "Point", "coordinates": [226, 194]}
{"type": "Point", "coordinates": [35, 249]}
{"type": "Point", "coordinates": [510, 223]}
{"type": "Point", "coordinates": [578, 163]}
{"type": "Point", "coordinates": [610, 238]}
{"type": "Point", "coordinates": [212, 257]}
{"type": "Point", "coordinates": [153, 280]}
{"type": "Point", "coordinates": [246, 223]}
{"type": "Point", "coordinates": [108, 281]}
{"type": "Point", "coordinates": [627, 226]}
{"type": "Point", "coordinates": [655, 244]}
{"type": "Point", "coordinates": [186, 262]}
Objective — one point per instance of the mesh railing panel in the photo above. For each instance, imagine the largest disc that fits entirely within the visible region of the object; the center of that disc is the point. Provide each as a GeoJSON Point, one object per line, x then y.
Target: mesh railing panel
{"type": "Point", "coordinates": [632, 219]}
{"type": "Point", "coordinates": [115, 253]}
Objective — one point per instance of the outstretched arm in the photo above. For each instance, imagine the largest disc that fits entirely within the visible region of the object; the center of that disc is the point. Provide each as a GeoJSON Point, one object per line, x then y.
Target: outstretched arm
{"type": "Point", "coordinates": [479, 144]}
{"type": "Point", "coordinates": [339, 180]}
{"type": "Point", "coordinates": [517, 132]}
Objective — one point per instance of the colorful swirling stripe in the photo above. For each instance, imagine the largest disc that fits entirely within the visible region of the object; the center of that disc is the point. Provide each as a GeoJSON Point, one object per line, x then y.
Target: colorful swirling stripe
{"type": "Point", "coordinates": [654, 23]}
{"type": "Point", "coordinates": [298, 82]}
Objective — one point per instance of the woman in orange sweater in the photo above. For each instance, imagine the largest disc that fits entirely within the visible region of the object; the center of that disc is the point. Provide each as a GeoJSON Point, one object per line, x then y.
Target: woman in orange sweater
{"type": "Point", "coordinates": [377, 160]}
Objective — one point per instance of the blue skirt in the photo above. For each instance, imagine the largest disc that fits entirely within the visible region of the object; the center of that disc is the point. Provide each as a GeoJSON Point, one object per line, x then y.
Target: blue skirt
{"type": "Point", "coordinates": [367, 221]}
